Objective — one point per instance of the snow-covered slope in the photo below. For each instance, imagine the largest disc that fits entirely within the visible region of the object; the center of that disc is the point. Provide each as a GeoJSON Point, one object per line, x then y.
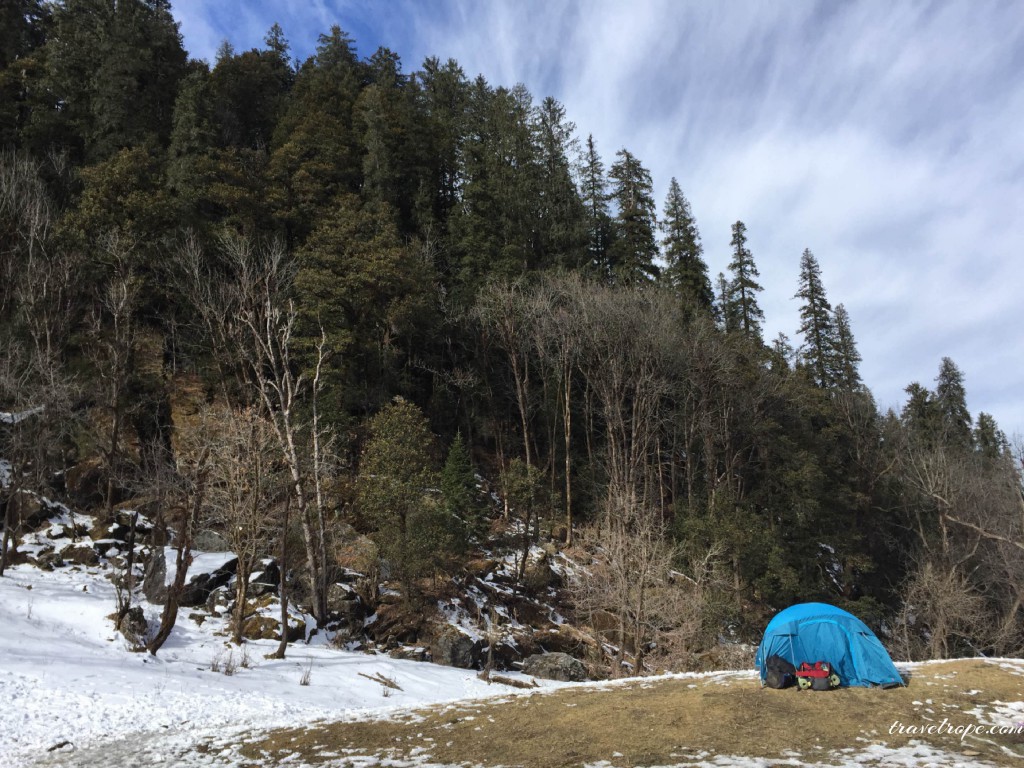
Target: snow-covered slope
{"type": "Point", "coordinates": [66, 677]}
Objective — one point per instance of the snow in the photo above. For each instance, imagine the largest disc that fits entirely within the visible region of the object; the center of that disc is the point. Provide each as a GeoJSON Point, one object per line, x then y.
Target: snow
{"type": "Point", "coordinates": [202, 562]}
{"type": "Point", "coordinates": [7, 417]}
{"type": "Point", "coordinates": [66, 676]}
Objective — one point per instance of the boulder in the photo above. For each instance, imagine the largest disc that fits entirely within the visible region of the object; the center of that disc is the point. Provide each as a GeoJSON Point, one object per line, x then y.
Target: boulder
{"type": "Point", "coordinates": [219, 601]}
{"type": "Point", "coordinates": [134, 627]}
{"type": "Point", "coordinates": [555, 666]}
{"type": "Point", "coordinates": [153, 586]}
{"type": "Point", "coordinates": [198, 589]}
{"type": "Point", "coordinates": [266, 581]}
{"type": "Point", "coordinates": [195, 592]}
{"type": "Point", "coordinates": [262, 628]}
{"type": "Point", "coordinates": [454, 648]}
{"type": "Point", "coordinates": [79, 554]}
{"type": "Point", "coordinates": [30, 512]}
{"type": "Point", "coordinates": [410, 653]}
{"type": "Point", "coordinates": [210, 541]}
{"type": "Point", "coordinates": [47, 560]}
{"type": "Point", "coordinates": [396, 624]}
{"type": "Point", "coordinates": [269, 628]}
{"type": "Point", "coordinates": [84, 482]}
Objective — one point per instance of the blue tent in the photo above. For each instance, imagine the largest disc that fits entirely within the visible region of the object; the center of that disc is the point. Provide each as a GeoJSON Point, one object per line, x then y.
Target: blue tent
{"type": "Point", "coordinates": [820, 632]}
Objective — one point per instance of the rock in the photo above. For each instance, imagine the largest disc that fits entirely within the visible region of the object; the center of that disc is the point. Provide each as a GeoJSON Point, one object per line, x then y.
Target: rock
{"type": "Point", "coordinates": [355, 552]}
{"type": "Point", "coordinates": [198, 589]}
{"type": "Point", "coordinates": [134, 627]}
{"type": "Point", "coordinates": [153, 586]}
{"type": "Point", "coordinates": [267, 581]}
{"type": "Point", "coordinates": [397, 623]}
{"type": "Point", "coordinates": [80, 554]}
{"type": "Point", "coordinates": [453, 648]}
{"type": "Point", "coordinates": [267, 628]}
{"type": "Point", "coordinates": [346, 607]}
{"type": "Point", "coordinates": [262, 628]}
{"type": "Point", "coordinates": [210, 541]}
{"type": "Point", "coordinates": [84, 482]}
{"type": "Point", "coordinates": [555, 666]}
{"type": "Point", "coordinates": [47, 560]}
{"type": "Point", "coordinates": [30, 513]}
{"type": "Point", "coordinates": [219, 601]}
{"type": "Point", "coordinates": [410, 653]}
{"type": "Point", "coordinates": [194, 593]}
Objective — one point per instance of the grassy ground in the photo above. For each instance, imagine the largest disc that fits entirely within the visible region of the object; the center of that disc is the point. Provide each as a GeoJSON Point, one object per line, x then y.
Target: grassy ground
{"type": "Point", "coordinates": [680, 721]}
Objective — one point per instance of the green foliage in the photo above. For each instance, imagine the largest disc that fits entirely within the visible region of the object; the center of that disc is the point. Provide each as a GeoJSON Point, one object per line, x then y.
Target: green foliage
{"type": "Point", "coordinates": [458, 489]}
{"type": "Point", "coordinates": [740, 306]}
{"type": "Point", "coordinates": [686, 271]}
{"type": "Point", "coordinates": [114, 68]}
{"type": "Point", "coordinates": [634, 248]}
{"type": "Point", "coordinates": [396, 475]}
{"type": "Point", "coordinates": [598, 220]}
{"type": "Point", "coordinates": [371, 295]}
{"type": "Point", "coordinates": [816, 325]}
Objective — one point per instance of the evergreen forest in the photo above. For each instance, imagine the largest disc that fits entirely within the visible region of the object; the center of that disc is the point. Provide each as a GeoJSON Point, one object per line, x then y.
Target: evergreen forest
{"type": "Point", "coordinates": [312, 303]}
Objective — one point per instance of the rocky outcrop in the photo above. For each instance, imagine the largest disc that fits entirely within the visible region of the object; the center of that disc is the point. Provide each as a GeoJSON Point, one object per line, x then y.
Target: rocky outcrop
{"type": "Point", "coordinates": [195, 592]}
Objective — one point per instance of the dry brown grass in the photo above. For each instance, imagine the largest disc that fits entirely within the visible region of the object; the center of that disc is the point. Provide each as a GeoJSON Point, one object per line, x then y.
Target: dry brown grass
{"type": "Point", "coordinates": [662, 722]}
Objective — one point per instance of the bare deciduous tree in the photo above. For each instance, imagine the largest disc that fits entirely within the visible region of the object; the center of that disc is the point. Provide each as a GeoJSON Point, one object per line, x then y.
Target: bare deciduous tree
{"type": "Point", "coordinates": [114, 337]}
{"type": "Point", "coordinates": [243, 493]}
{"type": "Point", "coordinates": [630, 578]}
{"type": "Point", "coordinates": [247, 313]}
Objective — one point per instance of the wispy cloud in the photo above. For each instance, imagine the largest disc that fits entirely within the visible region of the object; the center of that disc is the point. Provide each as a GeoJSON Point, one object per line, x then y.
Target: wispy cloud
{"type": "Point", "coordinates": [885, 137]}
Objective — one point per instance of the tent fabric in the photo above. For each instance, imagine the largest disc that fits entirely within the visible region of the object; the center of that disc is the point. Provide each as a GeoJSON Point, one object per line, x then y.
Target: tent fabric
{"type": "Point", "coordinates": [821, 632]}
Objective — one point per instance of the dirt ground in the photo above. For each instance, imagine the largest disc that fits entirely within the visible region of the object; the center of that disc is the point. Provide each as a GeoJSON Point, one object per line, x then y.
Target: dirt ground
{"type": "Point", "coordinates": [684, 720]}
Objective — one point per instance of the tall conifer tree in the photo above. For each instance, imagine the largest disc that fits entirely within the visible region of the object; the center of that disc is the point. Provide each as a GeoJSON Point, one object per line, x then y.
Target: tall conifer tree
{"type": "Point", "coordinates": [846, 360]}
{"type": "Point", "coordinates": [686, 270]}
{"type": "Point", "coordinates": [743, 308]}
{"type": "Point", "coordinates": [816, 325]}
{"type": "Point", "coordinates": [635, 248]}
{"type": "Point", "coordinates": [594, 193]}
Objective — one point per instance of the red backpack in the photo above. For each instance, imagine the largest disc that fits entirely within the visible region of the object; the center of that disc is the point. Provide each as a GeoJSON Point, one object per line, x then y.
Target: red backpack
{"type": "Point", "coordinates": [817, 676]}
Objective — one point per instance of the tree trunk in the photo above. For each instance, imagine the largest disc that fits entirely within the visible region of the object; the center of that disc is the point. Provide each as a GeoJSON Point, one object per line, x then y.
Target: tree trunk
{"type": "Point", "coordinates": [241, 597]}
{"type": "Point", "coordinates": [282, 589]}
{"type": "Point", "coordinates": [8, 524]}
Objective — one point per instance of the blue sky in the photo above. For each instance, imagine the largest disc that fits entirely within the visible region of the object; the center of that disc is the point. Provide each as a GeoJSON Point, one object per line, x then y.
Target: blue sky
{"type": "Point", "coordinates": [886, 137]}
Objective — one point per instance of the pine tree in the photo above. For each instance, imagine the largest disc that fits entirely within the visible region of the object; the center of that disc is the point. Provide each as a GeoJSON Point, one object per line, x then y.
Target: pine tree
{"type": "Point", "coordinates": [440, 94]}
{"type": "Point", "coordinates": [816, 324]}
{"type": "Point", "coordinates": [919, 413]}
{"type": "Point", "coordinates": [562, 235]}
{"type": "Point", "coordinates": [22, 33]}
{"type": "Point", "coordinates": [594, 194]}
{"type": "Point", "coordinates": [458, 489]}
{"type": "Point", "coordinates": [951, 405]}
{"type": "Point", "coordinates": [382, 119]}
{"type": "Point", "coordinates": [846, 358]}
{"type": "Point", "coordinates": [686, 273]}
{"type": "Point", "coordinates": [635, 248]}
{"type": "Point", "coordinates": [989, 441]}
{"type": "Point", "coordinates": [395, 474]}
{"type": "Point", "coordinates": [727, 314]}
{"type": "Point", "coordinates": [359, 281]}
{"type": "Point", "coordinates": [317, 149]}
{"type": "Point", "coordinates": [743, 309]}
